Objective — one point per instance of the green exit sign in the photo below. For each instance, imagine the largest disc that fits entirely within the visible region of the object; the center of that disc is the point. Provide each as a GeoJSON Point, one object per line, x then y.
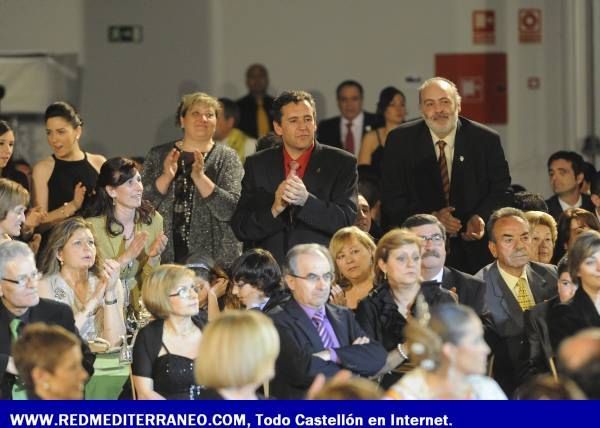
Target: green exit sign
{"type": "Point", "coordinates": [125, 34]}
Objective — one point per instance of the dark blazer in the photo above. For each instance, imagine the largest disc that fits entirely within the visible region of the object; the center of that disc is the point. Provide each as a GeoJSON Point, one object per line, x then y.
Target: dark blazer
{"type": "Point", "coordinates": [507, 317]}
{"type": "Point", "coordinates": [49, 312]}
{"type": "Point", "coordinates": [331, 180]}
{"type": "Point", "coordinates": [411, 179]}
{"type": "Point", "coordinates": [296, 366]}
{"type": "Point", "coordinates": [328, 131]}
{"type": "Point", "coordinates": [470, 290]}
{"type": "Point", "coordinates": [247, 106]}
{"type": "Point", "coordinates": [569, 318]}
{"type": "Point", "coordinates": [538, 350]}
{"type": "Point", "coordinates": [555, 210]}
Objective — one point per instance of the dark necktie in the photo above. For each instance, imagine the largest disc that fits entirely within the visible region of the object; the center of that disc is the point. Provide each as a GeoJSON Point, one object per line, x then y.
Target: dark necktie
{"type": "Point", "coordinates": [318, 320]}
{"type": "Point", "coordinates": [443, 163]}
{"type": "Point", "coordinates": [349, 143]}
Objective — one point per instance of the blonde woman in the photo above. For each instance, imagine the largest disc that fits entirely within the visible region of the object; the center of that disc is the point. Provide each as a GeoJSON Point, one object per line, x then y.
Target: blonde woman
{"type": "Point", "coordinates": [237, 355]}
{"type": "Point", "coordinates": [384, 313]}
{"type": "Point", "coordinates": [165, 349]}
{"type": "Point", "coordinates": [354, 254]}
{"type": "Point", "coordinates": [195, 185]}
{"type": "Point", "coordinates": [543, 231]}
{"type": "Point", "coordinates": [75, 274]}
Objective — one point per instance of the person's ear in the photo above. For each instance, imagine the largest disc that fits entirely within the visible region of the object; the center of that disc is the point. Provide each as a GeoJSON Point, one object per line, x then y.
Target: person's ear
{"type": "Point", "coordinates": [493, 249]}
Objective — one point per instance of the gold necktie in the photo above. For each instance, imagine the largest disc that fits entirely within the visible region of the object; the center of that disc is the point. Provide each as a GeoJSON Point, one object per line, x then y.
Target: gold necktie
{"type": "Point", "coordinates": [262, 119]}
{"type": "Point", "coordinates": [523, 297]}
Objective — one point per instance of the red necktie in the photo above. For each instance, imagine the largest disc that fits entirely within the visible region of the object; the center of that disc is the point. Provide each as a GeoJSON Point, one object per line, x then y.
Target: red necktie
{"type": "Point", "coordinates": [349, 143]}
{"type": "Point", "coordinates": [442, 161]}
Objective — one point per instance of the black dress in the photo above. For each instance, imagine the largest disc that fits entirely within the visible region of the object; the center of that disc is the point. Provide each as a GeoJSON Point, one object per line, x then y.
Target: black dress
{"type": "Point", "coordinates": [173, 375]}
{"type": "Point", "coordinates": [64, 177]}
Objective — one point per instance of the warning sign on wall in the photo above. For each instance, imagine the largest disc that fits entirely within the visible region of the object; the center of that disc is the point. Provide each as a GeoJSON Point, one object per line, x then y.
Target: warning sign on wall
{"type": "Point", "coordinates": [530, 25]}
{"type": "Point", "coordinates": [484, 27]}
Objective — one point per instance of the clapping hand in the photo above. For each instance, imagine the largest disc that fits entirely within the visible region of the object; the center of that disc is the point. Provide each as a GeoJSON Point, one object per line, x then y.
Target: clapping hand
{"type": "Point", "coordinates": [134, 249]}
{"type": "Point", "coordinates": [170, 163]}
{"type": "Point", "coordinates": [158, 246]}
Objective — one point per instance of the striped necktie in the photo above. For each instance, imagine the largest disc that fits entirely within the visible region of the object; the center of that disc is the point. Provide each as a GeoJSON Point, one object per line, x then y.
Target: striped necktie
{"type": "Point", "coordinates": [443, 163]}
{"type": "Point", "coordinates": [318, 320]}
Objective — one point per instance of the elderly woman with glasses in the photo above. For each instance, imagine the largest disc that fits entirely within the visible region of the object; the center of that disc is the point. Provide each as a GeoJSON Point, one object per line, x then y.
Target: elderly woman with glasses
{"type": "Point", "coordinates": [384, 313]}
{"type": "Point", "coordinates": [165, 349]}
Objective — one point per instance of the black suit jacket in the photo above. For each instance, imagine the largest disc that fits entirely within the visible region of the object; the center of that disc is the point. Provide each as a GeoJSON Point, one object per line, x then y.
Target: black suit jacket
{"type": "Point", "coordinates": [331, 180]}
{"type": "Point", "coordinates": [296, 366]}
{"type": "Point", "coordinates": [470, 290]}
{"type": "Point", "coordinates": [329, 129]}
{"type": "Point", "coordinates": [47, 311]}
{"type": "Point", "coordinates": [412, 182]}
{"type": "Point", "coordinates": [569, 318]}
{"type": "Point", "coordinates": [555, 210]}
{"type": "Point", "coordinates": [507, 317]}
{"type": "Point", "coordinates": [247, 106]}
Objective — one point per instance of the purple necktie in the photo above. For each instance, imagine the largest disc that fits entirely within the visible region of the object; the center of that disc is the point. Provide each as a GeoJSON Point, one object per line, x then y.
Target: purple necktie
{"type": "Point", "coordinates": [318, 320]}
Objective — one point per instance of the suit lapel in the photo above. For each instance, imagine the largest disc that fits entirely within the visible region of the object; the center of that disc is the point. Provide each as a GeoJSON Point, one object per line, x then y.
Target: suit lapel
{"type": "Point", "coordinates": [427, 164]}
{"type": "Point", "coordinates": [507, 298]}
{"type": "Point", "coordinates": [275, 168]}
{"type": "Point", "coordinates": [457, 179]}
{"type": "Point", "coordinates": [448, 280]}
{"type": "Point", "coordinates": [313, 171]}
{"type": "Point", "coordinates": [537, 284]}
{"type": "Point", "coordinates": [304, 324]}
{"type": "Point", "coordinates": [336, 318]}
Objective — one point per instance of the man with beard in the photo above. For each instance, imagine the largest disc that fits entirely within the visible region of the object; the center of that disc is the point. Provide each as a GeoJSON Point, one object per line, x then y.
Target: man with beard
{"type": "Point", "coordinates": [448, 166]}
{"type": "Point", "coordinates": [513, 285]}
{"type": "Point", "coordinates": [470, 290]}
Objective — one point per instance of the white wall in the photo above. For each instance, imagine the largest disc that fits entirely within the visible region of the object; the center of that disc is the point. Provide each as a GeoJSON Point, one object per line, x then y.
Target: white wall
{"type": "Point", "coordinates": [130, 91]}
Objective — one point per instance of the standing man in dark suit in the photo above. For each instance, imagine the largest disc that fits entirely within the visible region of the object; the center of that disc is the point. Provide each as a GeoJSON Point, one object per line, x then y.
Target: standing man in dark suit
{"type": "Point", "coordinates": [317, 337]}
{"type": "Point", "coordinates": [300, 192]}
{"type": "Point", "coordinates": [21, 305]}
{"type": "Point", "coordinates": [470, 290]}
{"type": "Point", "coordinates": [513, 285]}
{"type": "Point", "coordinates": [346, 131]}
{"type": "Point", "coordinates": [255, 108]}
{"type": "Point", "coordinates": [565, 170]}
{"type": "Point", "coordinates": [447, 166]}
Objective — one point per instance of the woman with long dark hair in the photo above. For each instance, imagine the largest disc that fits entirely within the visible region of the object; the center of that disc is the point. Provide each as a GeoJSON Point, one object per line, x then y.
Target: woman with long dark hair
{"type": "Point", "coordinates": [127, 227]}
{"type": "Point", "coordinates": [62, 180]}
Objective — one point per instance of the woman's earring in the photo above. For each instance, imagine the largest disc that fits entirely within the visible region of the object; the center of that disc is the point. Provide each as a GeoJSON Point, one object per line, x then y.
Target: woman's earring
{"type": "Point", "coordinates": [114, 202]}
{"type": "Point", "coordinates": [46, 385]}
{"type": "Point", "coordinates": [60, 262]}
{"type": "Point", "coordinates": [385, 276]}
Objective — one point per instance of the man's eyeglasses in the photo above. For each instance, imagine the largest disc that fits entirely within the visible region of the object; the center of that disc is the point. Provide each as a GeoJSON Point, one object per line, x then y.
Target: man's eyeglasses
{"type": "Point", "coordinates": [185, 292]}
{"type": "Point", "coordinates": [313, 278]}
{"type": "Point", "coordinates": [435, 239]}
{"type": "Point", "coordinates": [22, 280]}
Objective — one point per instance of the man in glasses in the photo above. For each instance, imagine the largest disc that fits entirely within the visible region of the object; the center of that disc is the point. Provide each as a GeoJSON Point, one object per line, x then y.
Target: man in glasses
{"type": "Point", "coordinates": [317, 337]}
{"type": "Point", "coordinates": [470, 290]}
{"type": "Point", "coordinates": [20, 304]}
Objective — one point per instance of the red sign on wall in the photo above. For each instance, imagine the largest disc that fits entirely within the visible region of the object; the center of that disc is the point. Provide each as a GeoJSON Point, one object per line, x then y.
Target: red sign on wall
{"type": "Point", "coordinates": [530, 25]}
{"type": "Point", "coordinates": [481, 81]}
{"type": "Point", "coordinates": [484, 27]}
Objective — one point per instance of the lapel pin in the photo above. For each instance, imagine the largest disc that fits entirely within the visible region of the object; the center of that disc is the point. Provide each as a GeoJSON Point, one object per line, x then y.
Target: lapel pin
{"type": "Point", "coordinates": [318, 170]}
{"type": "Point", "coordinates": [461, 158]}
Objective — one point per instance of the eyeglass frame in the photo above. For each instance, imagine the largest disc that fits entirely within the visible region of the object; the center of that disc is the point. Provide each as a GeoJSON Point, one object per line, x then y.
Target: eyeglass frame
{"type": "Point", "coordinates": [22, 282]}
{"type": "Point", "coordinates": [435, 239]}
{"type": "Point", "coordinates": [314, 277]}
{"type": "Point", "coordinates": [187, 291]}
